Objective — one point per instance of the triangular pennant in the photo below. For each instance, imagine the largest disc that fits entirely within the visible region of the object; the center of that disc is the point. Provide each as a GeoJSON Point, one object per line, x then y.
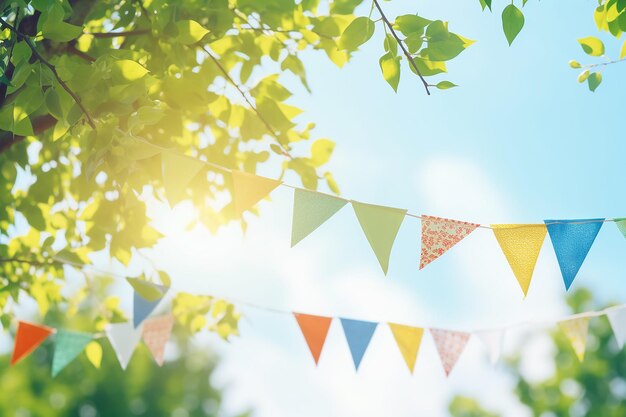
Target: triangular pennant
{"type": "Point", "coordinates": [148, 290]}
{"type": "Point", "coordinates": [358, 334]}
{"type": "Point", "coordinates": [142, 307]}
{"type": "Point", "coordinates": [156, 333]}
{"type": "Point", "coordinates": [521, 244]}
{"type": "Point", "coordinates": [27, 338]}
{"type": "Point", "coordinates": [576, 332]}
{"type": "Point", "coordinates": [314, 329]}
{"type": "Point", "coordinates": [380, 225]}
{"type": "Point", "coordinates": [310, 210]}
{"type": "Point", "coordinates": [621, 225]}
{"type": "Point", "coordinates": [67, 346]}
{"type": "Point", "coordinates": [617, 318]}
{"type": "Point", "coordinates": [572, 240]}
{"type": "Point", "coordinates": [408, 340]}
{"type": "Point", "coordinates": [249, 189]}
{"type": "Point", "coordinates": [124, 339]}
{"type": "Point", "coordinates": [178, 171]}
{"type": "Point", "coordinates": [493, 341]}
{"type": "Point", "coordinates": [439, 235]}
{"type": "Point", "coordinates": [450, 345]}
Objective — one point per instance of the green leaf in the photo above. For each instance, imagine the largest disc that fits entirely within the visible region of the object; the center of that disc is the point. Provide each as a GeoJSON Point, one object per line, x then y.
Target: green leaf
{"type": "Point", "coordinates": [55, 28]}
{"type": "Point", "coordinates": [574, 64]}
{"type": "Point", "coordinates": [359, 31]}
{"type": "Point", "coordinates": [594, 80]}
{"type": "Point", "coordinates": [583, 76]}
{"type": "Point", "coordinates": [622, 53]}
{"type": "Point", "coordinates": [391, 45]}
{"type": "Point", "coordinates": [410, 24]}
{"type": "Point", "coordinates": [127, 70]}
{"type": "Point", "coordinates": [444, 85]}
{"type": "Point", "coordinates": [321, 150]}
{"type": "Point", "coordinates": [390, 66]}
{"type": "Point", "coordinates": [592, 46]}
{"type": "Point", "coordinates": [512, 22]}
{"type": "Point", "coordinates": [190, 32]}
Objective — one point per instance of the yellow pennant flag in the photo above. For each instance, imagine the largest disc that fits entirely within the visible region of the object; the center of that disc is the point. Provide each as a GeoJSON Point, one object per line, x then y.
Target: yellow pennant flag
{"type": "Point", "coordinates": [576, 332]}
{"type": "Point", "coordinates": [178, 171]}
{"type": "Point", "coordinates": [408, 340]}
{"type": "Point", "coordinates": [249, 189]}
{"type": "Point", "coordinates": [521, 244]}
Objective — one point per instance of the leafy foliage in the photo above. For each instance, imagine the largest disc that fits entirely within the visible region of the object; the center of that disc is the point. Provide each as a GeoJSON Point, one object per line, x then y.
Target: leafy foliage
{"type": "Point", "coordinates": [594, 387]}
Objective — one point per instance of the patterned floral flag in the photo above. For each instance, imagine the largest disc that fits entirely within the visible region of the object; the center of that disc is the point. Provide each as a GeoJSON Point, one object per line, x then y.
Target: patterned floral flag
{"type": "Point", "coordinates": [450, 345]}
{"type": "Point", "coordinates": [439, 235]}
{"type": "Point", "coordinates": [156, 333]}
{"type": "Point", "coordinates": [576, 332]}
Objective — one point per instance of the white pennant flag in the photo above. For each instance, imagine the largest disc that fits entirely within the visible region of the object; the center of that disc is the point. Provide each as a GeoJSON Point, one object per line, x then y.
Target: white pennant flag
{"type": "Point", "coordinates": [493, 341]}
{"type": "Point", "coordinates": [617, 318]}
{"type": "Point", "coordinates": [124, 338]}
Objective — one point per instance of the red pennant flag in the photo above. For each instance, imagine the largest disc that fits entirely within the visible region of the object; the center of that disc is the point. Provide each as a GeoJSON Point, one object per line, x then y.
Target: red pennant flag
{"type": "Point", "coordinates": [439, 235]}
{"type": "Point", "coordinates": [314, 329]}
{"type": "Point", "coordinates": [27, 338]}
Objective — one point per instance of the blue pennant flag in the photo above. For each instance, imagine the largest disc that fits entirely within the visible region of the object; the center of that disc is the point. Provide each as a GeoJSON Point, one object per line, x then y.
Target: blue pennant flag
{"type": "Point", "coordinates": [143, 307]}
{"type": "Point", "coordinates": [358, 334]}
{"type": "Point", "coordinates": [572, 240]}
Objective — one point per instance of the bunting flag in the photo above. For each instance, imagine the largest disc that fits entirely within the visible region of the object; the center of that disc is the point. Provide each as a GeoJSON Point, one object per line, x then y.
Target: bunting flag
{"type": "Point", "coordinates": [450, 345]}
{"type": "Point", "coordinates": [408, 340]}
{"type": "Point", "coordinates": [439, 235]}
{"type": "Point", "coordinates": [178, 171]}
{"type": "Point", "coordinates": [156, 333]}
{"type": "Point", "coordinates": [521, 244]}
{"type": "Point", "coordinates": [576, 332]}
{"type": "Point", "coordinates": [314, 329]}
{"type": "Point", "coordinates": [143, 307]}
{"type": "Point", "coordinates": [617, 318]}
{"type": "Point", "coordinates": [621, 225]}
{"type": "Point", "coordinates": [493, 341]}
{"type": "Point", "coordinates": [68, 345]}
{"type": "Point", "coordinates": [380, 225]}
{"type": "Point", "coordinates": [249, 189]}
{"type": "Point", "coordinates": [124, 338]}
{"type": "Point", "coordinates": [310, 211]}
{"type": "Point", "coordinates": [27, 338]}
{"type": "Point", "coordinates": [572, 240]}
{"type": "Point", "coordinates": [358, 334]}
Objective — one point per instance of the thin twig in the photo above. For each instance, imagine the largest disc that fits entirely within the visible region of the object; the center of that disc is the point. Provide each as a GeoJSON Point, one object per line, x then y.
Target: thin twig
{"type": "Point", "coordinates": [41, 59]}
{"type": "Point", "coordinates": [245, 97]}
{"type": "Point", "coordinates": [401, 44]}
{"type": "Point", "coordinates": [603, 64]}
{"type": "Point", "coordinates": [119, 34]}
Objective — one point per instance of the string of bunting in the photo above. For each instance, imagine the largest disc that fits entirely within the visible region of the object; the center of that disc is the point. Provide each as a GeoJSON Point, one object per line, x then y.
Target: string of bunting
{"type": "Point", "coordinates": [155, 332]}
{"type": "Point", "coordinates": [520, 243]}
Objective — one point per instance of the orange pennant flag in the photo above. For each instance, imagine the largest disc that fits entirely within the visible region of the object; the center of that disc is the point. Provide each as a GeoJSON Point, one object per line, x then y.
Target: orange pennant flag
{"type": "Point", "coordinates": [314, 329]}
{"type": "Point", "coordinates": [27, 338]}
{"type": "Point", "coordinates": [249, 189]}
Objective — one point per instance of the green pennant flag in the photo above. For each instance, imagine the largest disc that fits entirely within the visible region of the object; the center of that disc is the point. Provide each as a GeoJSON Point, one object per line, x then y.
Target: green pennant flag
{"type": "Point", "coordinates": [68, 345]}
{"type": "Point", "coordinates": [380, 225]}
{"type": "Point", "coordinates": [621, 225]}
{"type": "Point", "coordinates": [310, 210]}
{"type": "Point", "coordinates": [148, 290]}
{"type": "Point", "coordinates": [178, 171]}
{"type": "Point", "coordinates": [249, 189]}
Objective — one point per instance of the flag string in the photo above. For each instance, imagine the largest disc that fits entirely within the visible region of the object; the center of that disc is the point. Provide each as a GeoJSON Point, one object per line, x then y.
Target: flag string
{"type": "Point", "coordinates": [347, 200]}
{"type": "Point", "coordinates": [241, 302]}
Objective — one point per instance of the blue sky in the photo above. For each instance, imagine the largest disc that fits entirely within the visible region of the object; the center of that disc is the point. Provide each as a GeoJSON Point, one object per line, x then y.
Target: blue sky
{"type": "Point", "coordinates": [519, 141]}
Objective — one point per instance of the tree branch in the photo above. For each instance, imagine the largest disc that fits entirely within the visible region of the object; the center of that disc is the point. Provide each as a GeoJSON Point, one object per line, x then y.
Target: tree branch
{"type": "Point", "coordinates": [401, 44]}
{"type": "Point", "coordinates": [104, 35]}
{"type": "Point", "coordinates": [29, 42]}
{"type": "Point", "coordinates": [8, 73]}
{"type": "Point", "coordinates": [245, 97]}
